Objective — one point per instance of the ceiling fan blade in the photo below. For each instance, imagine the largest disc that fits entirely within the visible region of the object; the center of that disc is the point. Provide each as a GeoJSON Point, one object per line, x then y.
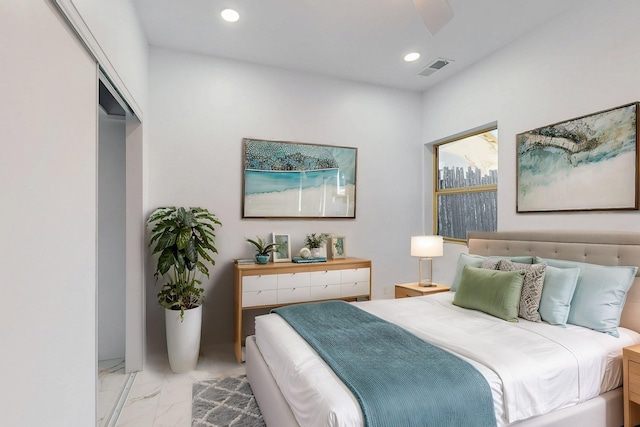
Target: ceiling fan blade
{"type": "Point", "coordinates": [434, 13]}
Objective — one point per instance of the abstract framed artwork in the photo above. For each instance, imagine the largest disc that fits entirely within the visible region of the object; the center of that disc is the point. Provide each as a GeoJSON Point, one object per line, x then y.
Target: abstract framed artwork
{"type": "Point", "coordinates": [338, 247]}
{"type": "Point", "coordinates": [589, 163]}
{"type": "Point", "coordinates": [298, 180]}
{"type": "Point", "coordinates": [283, 251]}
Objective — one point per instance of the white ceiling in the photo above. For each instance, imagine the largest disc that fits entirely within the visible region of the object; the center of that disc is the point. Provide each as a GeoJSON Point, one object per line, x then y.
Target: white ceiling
{"type": "Point", "coordinates": [361, 40]}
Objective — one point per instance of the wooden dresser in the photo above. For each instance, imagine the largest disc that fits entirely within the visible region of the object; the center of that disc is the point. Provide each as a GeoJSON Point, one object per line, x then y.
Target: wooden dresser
{"type": "Point", "coordinates": [274, 285]}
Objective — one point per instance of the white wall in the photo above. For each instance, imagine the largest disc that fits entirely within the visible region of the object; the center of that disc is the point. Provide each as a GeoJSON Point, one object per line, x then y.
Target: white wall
{"type": "Point", "coordinates": [202, 107]}
{"type": "Point", "coordinates": [582, 62]}
{"type": "Point", "coordinates": [111, 236]}
{"type": "Point", "coordinates": [48, 127]}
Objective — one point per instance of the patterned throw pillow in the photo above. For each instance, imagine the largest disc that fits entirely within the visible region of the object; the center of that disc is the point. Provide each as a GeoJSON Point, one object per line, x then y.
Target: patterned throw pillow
{"type": "Point", "coordinates": [531, 288]}
{"type": "Point", "coordinates": [491, 263]}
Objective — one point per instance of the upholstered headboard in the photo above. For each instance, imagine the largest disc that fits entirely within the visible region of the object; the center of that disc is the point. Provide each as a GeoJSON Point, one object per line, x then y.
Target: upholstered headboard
{"type": "Point", "coordinates": [595, 247]}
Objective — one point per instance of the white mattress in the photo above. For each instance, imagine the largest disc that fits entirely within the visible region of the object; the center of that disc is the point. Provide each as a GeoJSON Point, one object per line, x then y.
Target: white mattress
{"type": "Point", "coordinates": [544, 367]}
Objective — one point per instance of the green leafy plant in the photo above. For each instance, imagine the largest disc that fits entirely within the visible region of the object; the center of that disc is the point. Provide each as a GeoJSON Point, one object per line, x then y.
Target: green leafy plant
{"type": "Point", "coordinates": [315, 240]}
{"type": "Point", "coordinates": [262, 248]}
{"type": "Point", "coordinates": [184, 238]}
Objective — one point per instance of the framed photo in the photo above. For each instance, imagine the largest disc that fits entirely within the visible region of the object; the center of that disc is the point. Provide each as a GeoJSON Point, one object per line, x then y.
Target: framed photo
{"type": "Point", "coordinates": [298, 180]}
{"type": "Point", "coordinates": [283, 251]}
{"type": "Point", "coordinates": [584, 164]}
{"type": "Point", "coordinates": [337, 247]}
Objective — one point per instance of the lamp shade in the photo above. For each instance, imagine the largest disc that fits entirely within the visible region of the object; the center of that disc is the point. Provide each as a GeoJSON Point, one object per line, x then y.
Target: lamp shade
{"type": "Point", "coordinates": [426, 246]}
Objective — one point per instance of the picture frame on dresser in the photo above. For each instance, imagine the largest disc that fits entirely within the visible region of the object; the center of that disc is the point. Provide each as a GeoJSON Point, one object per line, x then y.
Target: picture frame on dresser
{"type": "Point", "coordinates": [283, 250]}
{"type": "Point", "coordinates": [337, 247]}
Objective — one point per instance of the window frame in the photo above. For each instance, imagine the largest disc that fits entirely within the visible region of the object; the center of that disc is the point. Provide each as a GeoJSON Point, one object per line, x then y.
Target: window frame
{"type": "Point", "coordinates": [459, 190]}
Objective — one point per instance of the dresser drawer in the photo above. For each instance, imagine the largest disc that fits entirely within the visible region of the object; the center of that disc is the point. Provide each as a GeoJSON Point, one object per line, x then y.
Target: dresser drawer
{"type": "Point", "coordinates": [325, 292]}
{"type": "Point", "coordinates": [356, 275]}
{"type": "Point", "coordinates": [290, 295]}
{"type": "Point", "coordinates": [355, 289]}
{"type": "Point", "coordinates": [293, 280]}
{"type": "Point", "coordinates": [258, 298]}
{"type": "Point", "coordinates": [327, 277]}
{"type": "Point", "coordinates": [259, 283]}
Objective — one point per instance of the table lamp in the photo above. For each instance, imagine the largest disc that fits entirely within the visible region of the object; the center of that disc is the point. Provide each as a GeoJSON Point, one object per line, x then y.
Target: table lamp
{"type": "Point", "coordinates": [426, 247]}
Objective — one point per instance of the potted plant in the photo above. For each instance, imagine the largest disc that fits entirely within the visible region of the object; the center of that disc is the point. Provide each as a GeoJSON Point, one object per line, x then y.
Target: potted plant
{"type": "Point", "coordinates": [314, 241]}
{"type": "Point", "coordinates": [185, 240]}
{"type": "Point", "coordinates": [262, 249]}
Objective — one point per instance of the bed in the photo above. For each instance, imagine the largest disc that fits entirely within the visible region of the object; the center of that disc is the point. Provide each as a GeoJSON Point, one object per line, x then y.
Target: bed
{"type": "Point", "coordinates": [293, 392]}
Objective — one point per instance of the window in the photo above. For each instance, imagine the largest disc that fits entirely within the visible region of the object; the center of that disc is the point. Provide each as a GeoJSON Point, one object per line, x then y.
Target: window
{"type": "Point", "coordinates": [466, 184]}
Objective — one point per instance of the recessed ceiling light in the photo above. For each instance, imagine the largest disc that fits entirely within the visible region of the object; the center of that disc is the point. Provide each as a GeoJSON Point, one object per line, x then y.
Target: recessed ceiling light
{"type": "Point", "coordinates": [410, 57]}
{"type": "Point", "coordinates": [230, 15]}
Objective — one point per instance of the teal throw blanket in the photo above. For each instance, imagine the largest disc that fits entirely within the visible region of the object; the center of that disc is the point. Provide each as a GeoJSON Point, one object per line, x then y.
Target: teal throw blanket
{"type": "Point", "coordinates": [398, 379]}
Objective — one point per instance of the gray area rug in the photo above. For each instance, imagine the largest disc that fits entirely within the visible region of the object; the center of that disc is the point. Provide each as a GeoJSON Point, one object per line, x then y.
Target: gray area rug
{"type": "Point", "coordinates": [225, 402]}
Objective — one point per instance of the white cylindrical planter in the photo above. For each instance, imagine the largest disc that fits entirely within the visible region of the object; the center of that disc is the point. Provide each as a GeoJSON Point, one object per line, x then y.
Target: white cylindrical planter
{"type": "Point", "coordinates": [183, 338]}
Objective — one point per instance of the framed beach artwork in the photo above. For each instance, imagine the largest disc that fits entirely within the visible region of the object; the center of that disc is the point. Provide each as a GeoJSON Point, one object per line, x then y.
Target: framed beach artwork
{"type": "Point", "coordinates": [337, 247]}
{"type": "Point", "coordinates": [298, 180]}
{"type": "Point", "coordinates": [584, 164]}
{"type": "Point", "coordinates": [283, 251]}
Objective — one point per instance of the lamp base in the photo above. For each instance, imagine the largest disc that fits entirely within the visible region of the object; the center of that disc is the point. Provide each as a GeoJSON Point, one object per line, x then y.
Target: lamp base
{"type": "Point", "coordinates": [425, 281]}
{"type": "Point", "coordinates": [426, 285]}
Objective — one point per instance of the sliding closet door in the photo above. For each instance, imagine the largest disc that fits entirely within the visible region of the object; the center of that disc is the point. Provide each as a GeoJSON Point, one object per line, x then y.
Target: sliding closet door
{"type": "Point", "coordinates": [48, 132]}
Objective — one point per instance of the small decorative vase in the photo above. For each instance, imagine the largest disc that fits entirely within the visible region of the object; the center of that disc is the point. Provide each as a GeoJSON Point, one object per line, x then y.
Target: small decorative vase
{"type": "Point", "coordinates": [262, 259]}
{"type": "Point", "coordinates": [305, 253]}
{"type": "Point", "coordinates": [315, 252]}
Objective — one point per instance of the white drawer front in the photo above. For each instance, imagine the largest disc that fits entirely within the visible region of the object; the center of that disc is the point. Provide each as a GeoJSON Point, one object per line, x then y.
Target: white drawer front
{"type": "Point", "coordinates": [356, 288]}
{"type": "Point", "coordinates": [257, 298]}
{"type": "Point", "coordinates": [286, 296]}
{"type": "Point", "coordinates": [327, 277]}
{"type": "Point", "coordinates": [325, 292]}
{"type": "Point", "coordinates": [293, 280]}
{"type": "Point", "coordinates": [355, 275]}
{"type": "Point", "coordinates": [259, 283]}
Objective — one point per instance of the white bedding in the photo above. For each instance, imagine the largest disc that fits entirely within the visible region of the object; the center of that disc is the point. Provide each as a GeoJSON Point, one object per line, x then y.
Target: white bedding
{"type": "Point", "coordinates": [544, 367]}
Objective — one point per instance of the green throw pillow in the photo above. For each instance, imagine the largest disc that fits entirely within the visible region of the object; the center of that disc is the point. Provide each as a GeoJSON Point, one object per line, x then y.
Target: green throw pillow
{"type": "Point", "coordinates": [494, 292]}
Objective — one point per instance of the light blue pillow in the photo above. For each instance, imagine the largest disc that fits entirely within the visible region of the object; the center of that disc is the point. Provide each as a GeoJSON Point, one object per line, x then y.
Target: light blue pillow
{"type": "Point", "coordinates": [600, 294]}
{"type": "Point", "coordinates": [557, 292]}
{"type": "Point", "coordinates": [476, 261]}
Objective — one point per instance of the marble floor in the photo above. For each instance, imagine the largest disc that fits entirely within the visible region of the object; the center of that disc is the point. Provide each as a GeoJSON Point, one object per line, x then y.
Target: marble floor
{"type": "Point", "coordinates": [160, 398]}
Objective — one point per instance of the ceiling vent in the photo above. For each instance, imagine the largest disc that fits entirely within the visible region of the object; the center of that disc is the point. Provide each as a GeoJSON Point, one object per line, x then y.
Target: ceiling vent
{"type": "Point", "coordinates": [434, 66]}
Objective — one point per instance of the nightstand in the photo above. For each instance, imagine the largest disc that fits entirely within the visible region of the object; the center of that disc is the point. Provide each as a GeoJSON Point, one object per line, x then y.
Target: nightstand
{"type": "Point", "coordinates": [631, 383]}
{"type": "Point", "coordinates": [407, 290]}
